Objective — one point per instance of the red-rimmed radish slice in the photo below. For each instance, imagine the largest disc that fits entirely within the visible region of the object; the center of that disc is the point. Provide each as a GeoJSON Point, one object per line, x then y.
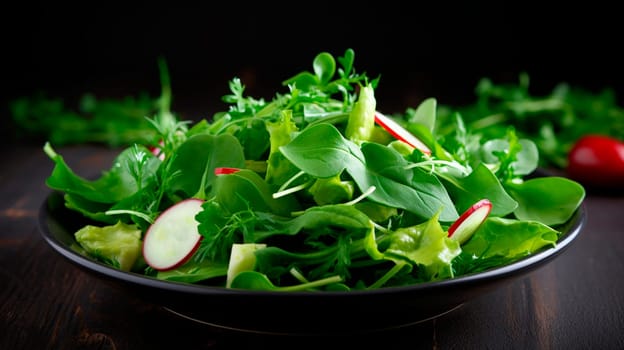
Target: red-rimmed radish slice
{"type": "Point", "coordinates": [173, 237]}
{"type": "Point", "coordinates": [225, 170]}
{"type": "Point", "coordinates": [470, 220]}
{"type": "Point", "coordinates": [400, 133]}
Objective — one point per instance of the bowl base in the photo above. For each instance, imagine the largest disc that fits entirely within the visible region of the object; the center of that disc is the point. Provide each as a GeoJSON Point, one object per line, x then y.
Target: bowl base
{"type": "Point", "coordinates": [307, 331]}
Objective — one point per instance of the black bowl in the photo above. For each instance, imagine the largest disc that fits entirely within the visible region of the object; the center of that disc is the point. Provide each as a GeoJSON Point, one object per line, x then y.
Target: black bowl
{"type": "Point", "coordinates": [301, 313]}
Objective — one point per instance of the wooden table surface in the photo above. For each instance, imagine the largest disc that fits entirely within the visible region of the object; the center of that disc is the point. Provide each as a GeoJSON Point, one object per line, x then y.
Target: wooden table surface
{"type": "Point", "coordinates": [576, 301]}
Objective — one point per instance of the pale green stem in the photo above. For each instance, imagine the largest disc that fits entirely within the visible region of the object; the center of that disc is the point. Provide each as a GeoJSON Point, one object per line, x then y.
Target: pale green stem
{"type": "Point", "coordinates": [362, 196]}
{"type": "Point", "coordinates": [130, 212]}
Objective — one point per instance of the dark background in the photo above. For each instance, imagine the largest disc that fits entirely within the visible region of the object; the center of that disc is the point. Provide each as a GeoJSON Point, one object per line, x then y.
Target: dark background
{"type": "Point", "coordinates": [419, 49]}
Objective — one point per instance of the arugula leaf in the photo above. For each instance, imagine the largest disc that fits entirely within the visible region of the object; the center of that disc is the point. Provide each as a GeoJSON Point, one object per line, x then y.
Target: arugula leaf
{"type": "Point", "coordinates": [114, 185]}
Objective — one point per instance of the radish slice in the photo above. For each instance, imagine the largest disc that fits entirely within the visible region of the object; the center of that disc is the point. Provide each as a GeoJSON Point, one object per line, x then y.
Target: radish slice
{"type": "Point", "coordinates": [400, 133]}
{"type": "Point", "coordinates": [225, 170]}
{"type": "Point", "coordinates": [173, 237]}
{"type": "Point", "coordinates": [463, 228]}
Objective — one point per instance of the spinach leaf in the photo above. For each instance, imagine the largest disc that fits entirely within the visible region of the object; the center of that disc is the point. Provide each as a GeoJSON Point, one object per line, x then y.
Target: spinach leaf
{"type": "Point", "coordinates": [324, 67]}
{"type": "Point", "coordinates": [321, 151]}
{"type": "Point", "coordinates": [93, 210]}
{"type": "Point", "coordinates": [480, 183]}
{"type": "Point", "coordinates": [196, 159]}
{"type": "Point", "coordinates": [424, 114]}
{"type": "Point", "coordinates": [551, 200]}
{"type": "Point", "coordinates": [246, 190]}
{"type": "Point", "coordinates": [415, 190]}
{"type": "Point", "coordinates": [254, 139]}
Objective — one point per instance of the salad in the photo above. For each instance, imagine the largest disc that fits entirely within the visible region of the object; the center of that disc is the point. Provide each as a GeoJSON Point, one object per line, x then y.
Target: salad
{"type": "Point", "coordinates": [316, 189]}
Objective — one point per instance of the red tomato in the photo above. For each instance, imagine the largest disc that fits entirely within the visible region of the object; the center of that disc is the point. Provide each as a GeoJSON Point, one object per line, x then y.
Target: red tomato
{"type": "Point", "coordinates": [597, 160]}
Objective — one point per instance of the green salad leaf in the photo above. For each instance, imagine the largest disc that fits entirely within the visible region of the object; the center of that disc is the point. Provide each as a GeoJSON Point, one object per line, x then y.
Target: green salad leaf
{"type": "Point", "coordinates": [118, 245]}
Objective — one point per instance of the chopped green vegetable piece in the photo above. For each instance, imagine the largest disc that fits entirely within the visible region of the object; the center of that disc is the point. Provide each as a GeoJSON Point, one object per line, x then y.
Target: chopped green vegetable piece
{"type": "Point", "coordinates": [118, 245]}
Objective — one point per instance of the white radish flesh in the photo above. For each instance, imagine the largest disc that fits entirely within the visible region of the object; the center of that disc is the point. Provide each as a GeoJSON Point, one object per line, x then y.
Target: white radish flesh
{"type": "Point", "coordinates": [173, 237]}
{"type": "Point", "coordinates": [400, 133]}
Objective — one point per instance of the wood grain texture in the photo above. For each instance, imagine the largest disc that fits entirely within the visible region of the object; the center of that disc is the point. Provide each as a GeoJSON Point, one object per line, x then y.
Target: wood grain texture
{"type": "Point", "coordinates": [575, 301]}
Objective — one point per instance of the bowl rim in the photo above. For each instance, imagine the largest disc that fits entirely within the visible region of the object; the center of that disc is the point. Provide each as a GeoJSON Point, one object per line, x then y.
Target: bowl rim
{"type": "Point", "coordinates": [526, 264]}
